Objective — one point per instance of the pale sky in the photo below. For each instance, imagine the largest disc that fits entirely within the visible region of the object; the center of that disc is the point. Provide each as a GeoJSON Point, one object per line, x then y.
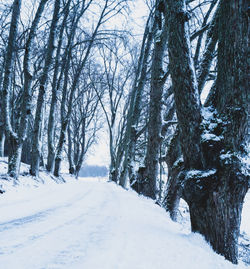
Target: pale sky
{"type": "Point", "coordinates": [99, 153]}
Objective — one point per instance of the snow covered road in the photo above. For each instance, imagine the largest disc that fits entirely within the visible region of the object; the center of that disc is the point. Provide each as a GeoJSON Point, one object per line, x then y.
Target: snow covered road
{"type": "Point", "coordinates": [95, 225]}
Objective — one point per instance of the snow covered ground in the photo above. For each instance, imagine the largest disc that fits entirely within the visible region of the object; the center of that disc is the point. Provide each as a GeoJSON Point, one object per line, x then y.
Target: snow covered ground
{"type": "Point", "coordinates": [93, 224]}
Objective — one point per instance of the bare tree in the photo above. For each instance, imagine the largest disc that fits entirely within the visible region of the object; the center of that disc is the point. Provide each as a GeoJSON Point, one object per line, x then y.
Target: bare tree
{"type": "Point", "coordinates": [108, 10]}
{"type": "Point", "coordinates": [135, 105]}
{"type": "Point", "coordinates": [36, 143]}
{"type": "Point", "coordinates": [55, 89]}
{"type": "Point", "coordinates": [113, 86]}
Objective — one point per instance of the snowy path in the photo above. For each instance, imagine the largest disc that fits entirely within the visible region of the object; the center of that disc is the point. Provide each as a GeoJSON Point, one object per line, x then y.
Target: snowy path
{"type": "Point", "coordinates": [95, 225]}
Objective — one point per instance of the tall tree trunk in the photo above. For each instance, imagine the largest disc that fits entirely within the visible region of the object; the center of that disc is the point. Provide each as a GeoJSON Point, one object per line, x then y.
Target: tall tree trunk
{"type": "Point", "coordinates": [81, 150]}
{"type": "Point", "coordinates": [224, 201]}
{"type": "Point", "coordinates": [155, 110]}
{"type": "Point", "coordinates": [26, 102]}
{"type": "Point", "coordinates": [13, 168]}
{"type": "Point", "coordinates": [135, 104]}
{"type": "Point", "coordinates": [55, 88]}
{"type": "Point", "coordinates": [36, 147]}
{"type": "Point", "coordinates": [173, 192]}
{"type": "Point", "coordinates": [175, 167]}
{"type": "Point", "coordinates": [185, 89]}
{"type": "Point", "coordinates": [216, 185]}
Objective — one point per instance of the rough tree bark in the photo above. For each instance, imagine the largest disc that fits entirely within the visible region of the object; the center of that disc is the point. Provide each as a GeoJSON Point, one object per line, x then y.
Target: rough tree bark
{"type": "Point", "coordinates": [214, 184]}
{"type": "Point", "coordinates": [173, 192]}
{"type": "Point", "coordinates": [155, 109]}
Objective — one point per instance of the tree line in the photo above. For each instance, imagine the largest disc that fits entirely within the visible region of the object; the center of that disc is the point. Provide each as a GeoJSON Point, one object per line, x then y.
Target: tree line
{"type": "Point", "coordinates": [62, 80]}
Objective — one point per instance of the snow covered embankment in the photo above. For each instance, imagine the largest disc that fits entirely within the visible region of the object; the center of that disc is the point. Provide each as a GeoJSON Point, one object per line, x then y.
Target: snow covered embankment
{"type": "Point", "coordinates": [95, 225]}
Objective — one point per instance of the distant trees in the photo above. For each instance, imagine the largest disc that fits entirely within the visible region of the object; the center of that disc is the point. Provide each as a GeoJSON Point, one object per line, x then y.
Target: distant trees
{"type": "Point", "coordinates": [83, 127]}
{"type": "Point", "coordinates": [93, 171]}
{"type": "Point", "coordinates": [44, 69]}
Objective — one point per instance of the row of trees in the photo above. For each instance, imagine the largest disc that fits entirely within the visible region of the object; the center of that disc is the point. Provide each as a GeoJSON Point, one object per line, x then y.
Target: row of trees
{"type": "Point", "coordinates": [186, 45]}
{"type": "Point", "coordinates": [61, 81]}
{"type": "Point", "coordinates": [51, 83]}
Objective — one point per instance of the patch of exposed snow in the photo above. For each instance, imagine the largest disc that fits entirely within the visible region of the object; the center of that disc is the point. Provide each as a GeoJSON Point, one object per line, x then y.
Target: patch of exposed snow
{"type": "Point", "coordinates": [209, 136]}
{"type": "Point", "coordinates": [200, 173]}
{"type": "Point", "coordinates": [245, 222]}
{"type": "Point", "coordinates": [244, 160]}
{"type": "Point", "coordinates": [178, 161]}
{"type": "Point", "coordinates": [207, 113]}
{"type": "Point", "coordinates": [225, 156]}
{"type": "Point", "coordinates": [245, 164]}
{"type": "Point", "coordinates": [210, 116]}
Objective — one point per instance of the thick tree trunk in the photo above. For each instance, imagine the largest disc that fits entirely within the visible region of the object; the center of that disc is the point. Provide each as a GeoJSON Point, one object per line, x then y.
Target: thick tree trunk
{"type": "Point", "coordinates": [173, 193]}
{"type": "Point", "coordinates": [36, 147]}
{"type": "Point", "coordinates": [17, 146]}
{"type": "Point", "coordinates": [185, 89]}
{"type": "Point", "coordinates": [215, 187]}
{"type": "Point", "coordinates": [215, 204]}
{"type": "Point", "coordinates": [14, 159]}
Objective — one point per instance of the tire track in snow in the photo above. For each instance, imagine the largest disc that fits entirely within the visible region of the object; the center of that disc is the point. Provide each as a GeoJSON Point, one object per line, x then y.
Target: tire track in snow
{"type": "Point", "coordinates": [97, 234]}
{"type": "Point", "coordinates": [37, 216]}
{"type": "Point", "coordinates": [42, 219]}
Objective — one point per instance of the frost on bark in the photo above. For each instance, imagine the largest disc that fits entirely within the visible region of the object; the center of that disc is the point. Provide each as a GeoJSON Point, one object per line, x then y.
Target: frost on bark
{"type": "Point", "coordinates": [175, 166]}
{"type": "Point", "coordinates": [215, 180]}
